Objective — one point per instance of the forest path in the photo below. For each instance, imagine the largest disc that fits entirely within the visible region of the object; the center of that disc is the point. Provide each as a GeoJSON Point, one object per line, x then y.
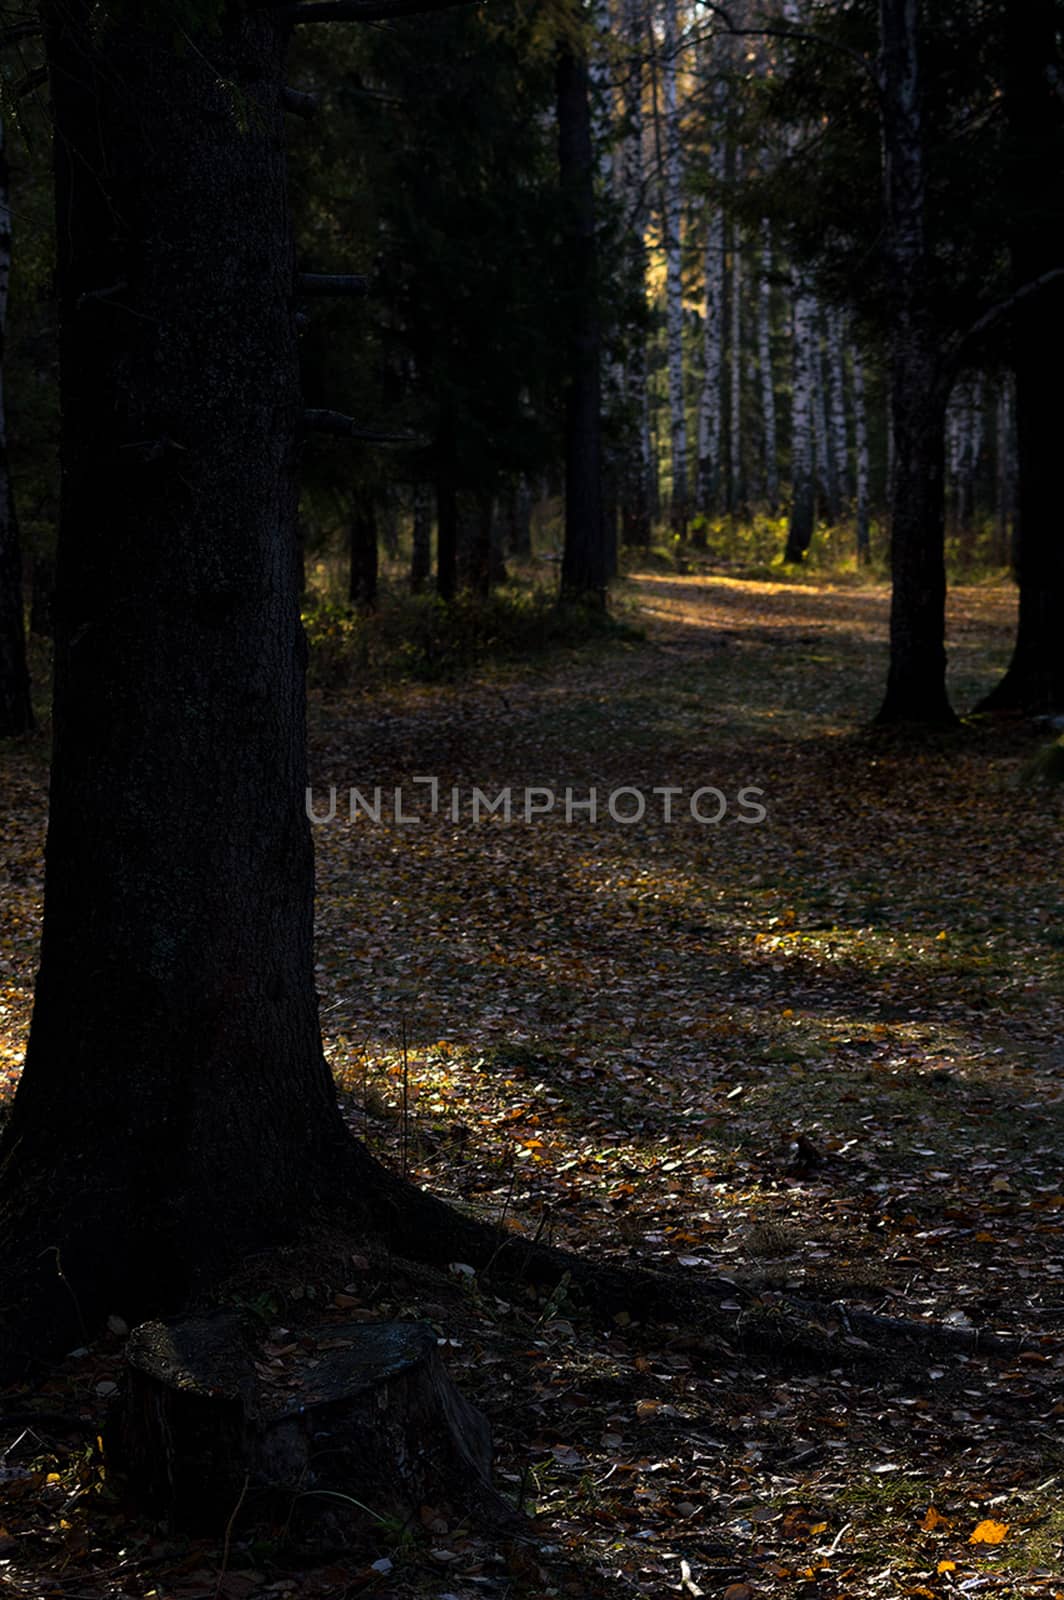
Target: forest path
{"type": "Point", "coordinates": [824, 1051]}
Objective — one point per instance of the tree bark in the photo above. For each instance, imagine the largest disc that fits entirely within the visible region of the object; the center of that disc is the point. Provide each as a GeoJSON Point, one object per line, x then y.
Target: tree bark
{"type": "Point", "coordinates": [585, 573]}
{"type": "Point", "coordinates": [446, 514]}
{"type": "Point", "coordinates": [421, 552]}
{"type": "Point", "coordinates": [736, 484]}
{"type": "Point", "coordinates": [635, 490]}
{"type": "Point", "coordinates": [916, 682]}
{"type": "Point", "coordinates": [803, 488]}
{"type": "Point", "coordinates": [16, 710]}
{"type": "Point", "coordinates": [1034, 681]}
{"type": "Point", "coordinates": [770, 472]}
{"type": "Point", "coordinates": [175, 1110]}
{"type": "Point", "coordinates": [364, 555]}
{"type": "Point", "coordinates": [671, 228]}
{"type": "Point", "coordinates": [860, 429]}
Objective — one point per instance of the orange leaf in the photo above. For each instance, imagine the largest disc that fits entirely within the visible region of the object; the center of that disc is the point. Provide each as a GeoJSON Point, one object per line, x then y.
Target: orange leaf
{"type": "Point", "coordinates": [989, 1533]}
{"type": "Point", "coordinates": [933, 1519]}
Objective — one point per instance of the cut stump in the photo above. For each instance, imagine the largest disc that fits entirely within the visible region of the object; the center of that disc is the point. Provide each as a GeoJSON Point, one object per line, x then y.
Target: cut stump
{"type": "Point", "coordinates": [351, 1423]}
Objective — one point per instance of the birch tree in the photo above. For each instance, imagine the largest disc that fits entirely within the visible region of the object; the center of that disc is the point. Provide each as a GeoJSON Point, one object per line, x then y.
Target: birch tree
{"type": "Point", "coordinates": [736, 489]}
{"type": "Point", "coordinates": [836, 364]}
{"type": "Point", "coordinates": [861, 453]}
{"type": "Point", "coordinates": [803, 487]}
{"type": "Point", "coordinates": [765, 374]}
{"type": "Point", "coordinates": [710, 397]}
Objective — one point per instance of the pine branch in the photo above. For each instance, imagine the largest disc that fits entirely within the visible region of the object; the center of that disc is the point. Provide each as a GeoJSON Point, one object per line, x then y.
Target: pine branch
{"type": "Point", "coordinates": [363, 10]}
{"type": "Point", "coordinates": [998, 314]}
{"type": "Point", "coordinates": [338, 426]}
{"type": "Point", "coordinates": [332, 283]}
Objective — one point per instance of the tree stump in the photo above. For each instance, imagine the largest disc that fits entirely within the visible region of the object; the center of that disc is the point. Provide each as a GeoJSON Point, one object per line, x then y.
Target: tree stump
{"type": "Point", "coordinates": [355, 1423]}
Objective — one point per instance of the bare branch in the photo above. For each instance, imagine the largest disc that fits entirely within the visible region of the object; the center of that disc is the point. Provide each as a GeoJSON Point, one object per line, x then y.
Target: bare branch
{"type": "Point", "coordinates": [337, 426]}
{"type": "Point", "coordinates": [20, 30]}
{"type": "Point", "coordinates": [332, 283]}
{"type": "Point", "coordinates": [33, 80]}
{"type": "Point", "coordinates": [299, 103]}
{"type": "Point", "coordinates": [998, 314]}
{"type": "Point", "coordinates": [363, 10]}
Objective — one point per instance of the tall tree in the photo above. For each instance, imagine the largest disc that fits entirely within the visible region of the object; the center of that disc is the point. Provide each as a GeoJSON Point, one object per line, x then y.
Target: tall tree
{"type": "Point", "coordinates": [671, 234]}
{"type": "Point", "coordinates": [585, 565]}
{"type": "Point", "coordinates": [769, 446]}
{"type": "Point", "coordinates": [1034, 185]}
{"type": "Point", "coordinates": [16, 711]}
{"type": "Point", "coordinates": [916, 682]}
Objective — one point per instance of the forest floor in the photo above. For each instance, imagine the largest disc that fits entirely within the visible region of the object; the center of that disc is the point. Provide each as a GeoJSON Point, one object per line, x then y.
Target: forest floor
{"type": "Point", "coordinates": [822, 1053]}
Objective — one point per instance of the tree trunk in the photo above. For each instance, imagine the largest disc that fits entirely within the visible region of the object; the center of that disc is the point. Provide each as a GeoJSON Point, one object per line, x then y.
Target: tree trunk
{"type": "Point", "coordinates": [364, 555]}
{"type": "Point", "coordinates": [42, 601]}
{"type": "Point", "coordinates": [803, 491]}
{"type": "Point", "coordinates": [175, 1110]}
{"type": "Point", "coordinates": [584, 561]}
{"type": "Point", "coordinates": [635, 470]}
{"type": "Point", "coordinates": [446, 515]}
{"type": "Point", "coordinates": [860, 429]}
{"type": "Point", "coordinates": [671, 227]}
{"type": "Point", "coordinates": [1005, 478]}
{"type": "Point", "coordinates": [916, 683]}
{"type": "Point", "coordinates": [16, 711]}
{"type": "Point", "coordinates": [827, 477]}
{"type": "Point", "coordinates": [736, 485]}
{"type": "Point", "coordinates": [421, 551]}
{"type": "Point", "coordinates": [1034, 682]}
{"type": "Point", "coordinates": [770, 473]}
{"type": "Point", "coordinates": [710, 398]}
{"type": "Point", "coordinates": [840, 447]}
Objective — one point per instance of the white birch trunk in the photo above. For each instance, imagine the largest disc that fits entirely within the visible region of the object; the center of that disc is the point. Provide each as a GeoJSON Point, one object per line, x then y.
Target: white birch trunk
{"type": "Point", "coordinates": [671, 203]}
{"type": "Point", "coordinates": [825, 458]}
{"type": "Point", "coordinates": [764, 362]}
{"type": "Point", "coordinates": [803, 488]}
{"type": "Point", "coordinates": [1005, 475]}
{"type": "Point", "coordinates": [860, 430]}
{"type": "Point", "coordinates": [840, 444]}
{"type": "Point", "coordinates": [736, 488]}
{"type": "Point", "coordinates": [710, 398]}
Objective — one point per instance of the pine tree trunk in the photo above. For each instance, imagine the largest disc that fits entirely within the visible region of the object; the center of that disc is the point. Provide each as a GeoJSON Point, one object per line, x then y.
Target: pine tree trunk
{"type": "Point", "coordinates": [584, 561]}
{"type": "Point", "coordinates": [446, 488]}
{"type": "Point", "coordinates": [803, 491]}
{"type": "Point", "coordinates": [635, 468]}
{"type": "Point", "coordinates": [860, 429]}
{"type": "Point", "coordinates": [16, 711]}
{"type": "Point", "coordinates": [916, 683]}
{"type": "Point", "coordinates": [421, 551]}
{"type": "Point", "coordinates": [671, 208]}
{"type": "Point", "coordinates": [175, 1110]}
{"type": "Point", "coordinates": [770, 472]}
{"type": "Point", "coordinates": [364, 556]}
{"type": "Point", "coordinates": [736, 486]}
{"type": "Point", "coordinates": [42, 601]}
{"type": "Point", "coordinates": [1005, 485]}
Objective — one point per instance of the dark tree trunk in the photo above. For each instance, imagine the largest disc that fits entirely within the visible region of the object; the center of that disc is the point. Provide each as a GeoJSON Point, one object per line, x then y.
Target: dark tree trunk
{"type": "Point", "coordinates": [1034, 682]}
{"type": "Point", "coordinates": [364, 556]}
{"type": "Point", "coordinates": [916, 684]}
{"type": "Point", "coordinates": [446, 518]}
{"type": "Point", "coordinates": [175, 1109]}
{"type": "Point", "coordinates": [585, 567]}
{"type": "Point", "coordinates": [520, 508]}
{"type": "Point", "coordinates": [16, 710]}
{"type": "Point", "coordinates": [421, 552]}
{"type": "Point", "coordinates": [42, 601]}
{"type": "Point", "coordinates": [478, 550]}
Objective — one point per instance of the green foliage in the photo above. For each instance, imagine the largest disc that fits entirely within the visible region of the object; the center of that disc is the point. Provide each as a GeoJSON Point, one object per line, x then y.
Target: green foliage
{"type": "Point", "coordinates": [419, 637]}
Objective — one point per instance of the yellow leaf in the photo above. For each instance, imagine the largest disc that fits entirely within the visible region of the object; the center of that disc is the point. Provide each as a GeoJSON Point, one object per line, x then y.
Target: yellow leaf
{"type": "Point", "coordinates": [939, 937]}
{"type": "Point", "coordinates": [933, 1519]}
{"type": "Point", "coordinates": [989, 1533]}
{"type": "Point", "coordinates": [819, 1527]}
{"type": "Point", "coordinates": [946, 1566]}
